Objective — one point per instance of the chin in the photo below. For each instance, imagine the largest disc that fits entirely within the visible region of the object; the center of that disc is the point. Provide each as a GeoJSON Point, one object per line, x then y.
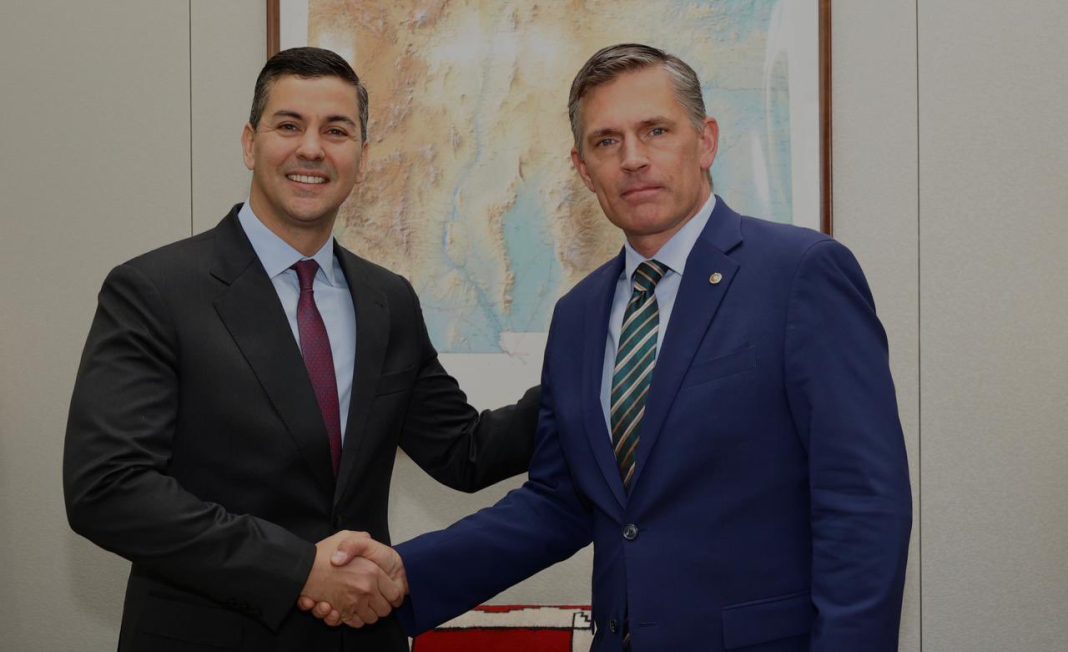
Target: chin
{"type": "Point", "coordinates": [649, 224]}
{"type": "Point", "coordinates": [308, 213]}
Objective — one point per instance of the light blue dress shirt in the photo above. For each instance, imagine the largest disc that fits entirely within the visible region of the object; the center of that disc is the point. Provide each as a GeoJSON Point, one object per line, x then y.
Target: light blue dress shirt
{"type": "Point", "coordinates": [673, 254]}
{"type": "Point", "coordinates": [332, 297]}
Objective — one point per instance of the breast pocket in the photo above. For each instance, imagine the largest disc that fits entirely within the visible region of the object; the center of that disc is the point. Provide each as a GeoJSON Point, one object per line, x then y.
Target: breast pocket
{"type": "Point", "coordinates": [736, 362]}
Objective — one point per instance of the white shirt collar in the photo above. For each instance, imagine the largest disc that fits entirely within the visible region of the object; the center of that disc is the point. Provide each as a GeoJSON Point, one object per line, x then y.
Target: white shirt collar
{"type": "Point", "coordinates": [676, 250]}
{"type": "Point", "coordinates": [276, 255]}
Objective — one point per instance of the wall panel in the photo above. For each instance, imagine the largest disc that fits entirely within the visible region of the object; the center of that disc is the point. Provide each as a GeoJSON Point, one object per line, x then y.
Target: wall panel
{"type": "Point", "coordinates": [993, 151]}
{"type": "Point", "coordinates": [95, 169]}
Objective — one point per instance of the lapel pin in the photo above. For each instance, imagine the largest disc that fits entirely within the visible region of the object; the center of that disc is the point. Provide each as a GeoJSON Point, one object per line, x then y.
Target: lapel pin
{"type": "Point", "coordinates": [715, 278]}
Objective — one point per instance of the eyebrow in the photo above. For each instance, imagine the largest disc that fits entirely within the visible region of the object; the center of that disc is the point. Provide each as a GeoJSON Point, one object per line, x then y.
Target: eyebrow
{"type": "Point", "coordinates": [657, 120]}
{"type": "Point", "coordinates": [285, 113]}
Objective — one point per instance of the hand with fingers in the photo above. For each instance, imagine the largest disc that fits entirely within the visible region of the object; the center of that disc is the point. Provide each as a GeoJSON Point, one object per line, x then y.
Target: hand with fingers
{"type": "Point", "coordinates": [362, 581]}
{"type": "Point", "coordinates": [354, 580]}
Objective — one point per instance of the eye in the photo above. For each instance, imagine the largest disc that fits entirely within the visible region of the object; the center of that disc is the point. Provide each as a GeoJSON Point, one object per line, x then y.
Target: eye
{"type": "Point", "coordinates": [337, 132]}
{"type": "Point", "coordinates": [605, 142]}
{"type": "Point", "coordinates": [657, 131]}
{"type": "Point", "coordinates": [288, 127]}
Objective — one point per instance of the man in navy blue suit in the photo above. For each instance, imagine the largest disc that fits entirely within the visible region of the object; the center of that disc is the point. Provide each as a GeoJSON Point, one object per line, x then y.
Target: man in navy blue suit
{"type": "Point", "coordinates": [717, 415]}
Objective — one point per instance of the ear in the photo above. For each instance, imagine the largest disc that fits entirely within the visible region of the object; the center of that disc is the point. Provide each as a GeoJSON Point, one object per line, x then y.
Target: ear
{"type": "Point", "coordinates": [361, 167]}
{"type": "Point", "coordinates": [709, 143]}
{"type": "Point", "coordinates": [580, 167]}
{"type": "Point", "coordinates": [248, 135]}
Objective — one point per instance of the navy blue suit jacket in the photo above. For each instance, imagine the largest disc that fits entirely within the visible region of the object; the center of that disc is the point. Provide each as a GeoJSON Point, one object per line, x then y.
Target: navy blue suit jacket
{"type": "Point", "coordinates": [770, 505]}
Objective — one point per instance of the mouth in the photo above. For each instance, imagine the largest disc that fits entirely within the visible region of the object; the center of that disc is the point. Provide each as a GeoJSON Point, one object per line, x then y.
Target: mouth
{"type": "Point", "coordinates": [638, 193]}
{"type": "Point", "coordinates": [310, 179]}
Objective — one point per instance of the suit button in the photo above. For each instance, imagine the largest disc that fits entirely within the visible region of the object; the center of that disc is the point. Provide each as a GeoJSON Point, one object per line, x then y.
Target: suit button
{"type": "Point", "coordinates": [613, 625]}
{"type": "Point", "coordinates": [630, 532]}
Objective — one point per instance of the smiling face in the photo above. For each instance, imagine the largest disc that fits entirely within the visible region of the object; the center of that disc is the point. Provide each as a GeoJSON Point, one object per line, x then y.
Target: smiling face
{"type": "Point", "coordinates": [643, 157]}
{"type": "Point", "coordinates": [305, 154]}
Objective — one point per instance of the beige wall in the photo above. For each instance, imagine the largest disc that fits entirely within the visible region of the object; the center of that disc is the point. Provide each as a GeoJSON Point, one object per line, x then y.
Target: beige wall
{"type": "Point", "coordinates": [95, 169]}
{"type": "Point", "coordinates": [120, 133]}
{"type": "Point", "coordinates": [994, 366]}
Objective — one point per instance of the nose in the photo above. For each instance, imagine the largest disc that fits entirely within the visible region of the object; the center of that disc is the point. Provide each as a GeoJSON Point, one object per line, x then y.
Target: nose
{"type": "Point", "coordinates": [634, 157]}
{"type": "Point", "coordinates": [310, 147]}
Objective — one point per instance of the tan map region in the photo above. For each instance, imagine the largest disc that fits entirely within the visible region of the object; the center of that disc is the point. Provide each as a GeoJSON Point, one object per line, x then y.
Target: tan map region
{"type": "Point", "coordinates": [468, 120]}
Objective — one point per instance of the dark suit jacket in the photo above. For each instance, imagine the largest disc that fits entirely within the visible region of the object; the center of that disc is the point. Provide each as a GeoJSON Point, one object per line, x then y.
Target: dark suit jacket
{"type": "Point", "coordinates": [195, 447]}
{"type": "Point", "coordinates": [770, 509]}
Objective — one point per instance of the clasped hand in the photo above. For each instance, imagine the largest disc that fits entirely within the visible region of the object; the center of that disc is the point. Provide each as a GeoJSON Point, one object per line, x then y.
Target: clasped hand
{"type": "Point", "coordinates": [355, 580]}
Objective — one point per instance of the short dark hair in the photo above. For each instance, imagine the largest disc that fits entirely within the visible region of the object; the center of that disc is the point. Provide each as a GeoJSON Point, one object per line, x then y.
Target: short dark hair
{"type": "Point", "coordinates": [308, 63]}
{"type": "Point", "coordinates": [609, 63]}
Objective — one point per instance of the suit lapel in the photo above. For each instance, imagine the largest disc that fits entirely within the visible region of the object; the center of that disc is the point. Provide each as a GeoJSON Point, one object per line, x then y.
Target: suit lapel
{"type": "Point", "coordinates": [601, 292]}
{"type": "Point", "coordinates": [372, 338]}
{"type": "Point", "coordinates": [251, 312]}
{"type": "Point", "coordinates": [699, 297]}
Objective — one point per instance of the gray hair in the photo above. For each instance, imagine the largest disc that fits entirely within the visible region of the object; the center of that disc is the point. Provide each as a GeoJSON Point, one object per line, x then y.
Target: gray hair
{"type": "Point", "coordinates": [609, 63]}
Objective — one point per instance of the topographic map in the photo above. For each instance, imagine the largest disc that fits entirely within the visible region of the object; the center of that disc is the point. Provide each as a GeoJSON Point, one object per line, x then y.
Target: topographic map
{"type": "Point", "coordinates": [470, 192]}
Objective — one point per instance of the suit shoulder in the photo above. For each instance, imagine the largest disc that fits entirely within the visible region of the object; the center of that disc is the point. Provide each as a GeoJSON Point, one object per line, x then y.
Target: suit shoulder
{"type": "Point", "coordinates": [799, 254]}
{"type": "Point", "coordinates": [173, 259]}
{"type": "Point", "coordinates": [185, 263]}
{"type": "Point", "coordinates": [786, 245]}
{"type": "Point", "coordinates": [785, 237]}
{"type": "Point", "coordinates": [584, 289]}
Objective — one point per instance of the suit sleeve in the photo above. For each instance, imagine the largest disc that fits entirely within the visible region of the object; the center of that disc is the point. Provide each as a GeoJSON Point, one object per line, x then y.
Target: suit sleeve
{"type": "Point", "coordinates": [450, 440]}
{"type": "Point", "coordinates": [843, 403]}
{"type": "Point", "coordinates": [543, 522]}
{"type": "Point", "coordinates": [118, 443]}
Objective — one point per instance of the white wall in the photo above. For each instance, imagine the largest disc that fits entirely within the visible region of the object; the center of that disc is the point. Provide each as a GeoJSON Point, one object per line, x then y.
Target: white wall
{"type": "Point", "coordinates": [993, 160]}
{"type": "Point", "coordinates": [120, 133]}
{"type": "Point", "coordinates": [95, 169]}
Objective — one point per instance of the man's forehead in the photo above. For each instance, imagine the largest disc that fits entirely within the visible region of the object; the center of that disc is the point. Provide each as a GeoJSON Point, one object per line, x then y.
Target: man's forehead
{"type": "Point", "coordinates": [312, 96]}
{"type": "Point", "coordinates": [634, 97]}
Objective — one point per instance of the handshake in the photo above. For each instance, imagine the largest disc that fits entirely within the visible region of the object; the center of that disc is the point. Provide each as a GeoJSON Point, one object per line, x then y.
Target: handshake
{"type": "Point", "coordinates": [355, 580]}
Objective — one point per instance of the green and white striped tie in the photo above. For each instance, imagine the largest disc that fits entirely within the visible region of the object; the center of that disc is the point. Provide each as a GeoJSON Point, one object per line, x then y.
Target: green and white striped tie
{"type": "Point", "coordinates": [635, 358]}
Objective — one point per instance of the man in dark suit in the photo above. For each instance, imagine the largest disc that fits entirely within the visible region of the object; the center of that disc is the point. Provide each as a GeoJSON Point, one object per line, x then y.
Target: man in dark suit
{"type": "Point", "coordinates": [242, 395]}
{"type": "Point", "coordinates": [718, 415]}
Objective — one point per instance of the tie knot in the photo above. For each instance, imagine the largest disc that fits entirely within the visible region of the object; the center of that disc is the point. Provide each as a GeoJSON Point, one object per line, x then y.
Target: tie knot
{"type": "Point", "coordinates": [306, 270]}
{"type": "Point", "coordinates": [648, 275]}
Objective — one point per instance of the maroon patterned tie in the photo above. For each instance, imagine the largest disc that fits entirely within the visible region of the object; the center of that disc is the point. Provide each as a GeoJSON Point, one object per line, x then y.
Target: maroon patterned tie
{"type": "Point", "coordinates": [315, 347]}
